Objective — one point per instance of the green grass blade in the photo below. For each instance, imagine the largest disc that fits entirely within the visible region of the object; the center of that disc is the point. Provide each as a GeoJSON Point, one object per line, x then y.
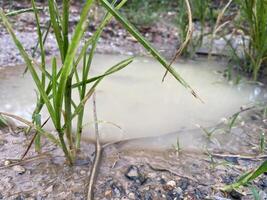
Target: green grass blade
{"type": "Point", "coordinates": [247, 177]}
{"type": "Point", "coordinates": [17, 12]}
{"type": "Point", "coordinates": [40, 38]}
{"type": "Point", "coordinates": [54, 79]}
{"type": "Point", "coordinates": [109, 72]}
{"type": "Point", "coordinates": [3, 122]}
{"type": "Point", "coordinates": [65, 26]}
{"type": "Point", "coordinates": [54, 17]}
{"type": "Point", "coordinates": [37, 140]}
{"type": "Point", "coordinates": [78, 33]}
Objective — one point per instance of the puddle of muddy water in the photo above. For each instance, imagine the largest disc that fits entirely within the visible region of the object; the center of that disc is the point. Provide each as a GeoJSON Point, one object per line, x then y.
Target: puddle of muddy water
{"type": "Point", "coordinates": [138, 102]}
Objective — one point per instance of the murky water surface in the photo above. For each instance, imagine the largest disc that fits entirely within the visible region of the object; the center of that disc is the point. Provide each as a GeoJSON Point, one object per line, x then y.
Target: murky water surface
{"type": "Point", "coordinates": [138, 102]}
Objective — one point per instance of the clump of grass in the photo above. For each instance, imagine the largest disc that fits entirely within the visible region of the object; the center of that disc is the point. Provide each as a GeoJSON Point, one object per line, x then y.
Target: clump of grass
{"type": "Point", "coordinates": [55, 88]}
{"type": "Point", "coordinates": [247, 177]}
{"type": "Point", "coordinates": [253, 23]}
{"type": "Point", "coordinates": [177, 147]}
{"type": "Point", "coordinates": [208, 132]}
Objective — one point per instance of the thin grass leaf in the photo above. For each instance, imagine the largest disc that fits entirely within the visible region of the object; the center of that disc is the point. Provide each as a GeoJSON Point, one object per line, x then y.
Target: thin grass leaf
{"type": "Point", "coordinates": [54, 17]}
{"type": "Point", "coordinates": [233, 120]}
{"type": "Point", "coordinates": [3, 122]}
{"type": "Point", "coordinates": [37, 140]}
{"type": "Point", "coordinates": [255, 194]}
{"type": "Point", "coordinates": [93, 79]}
{"type": "Point", "coordinates": [78, 33]}
{"type": "Point", "coordinates": [65, 26]}
{"type": "Point", "coordinates": [54, 80]}
{"type": "Point", "coordinates": [17, 12]}
{"type": "Point", "coordinates": [40, 38]}
{"type": "Point", "coordinates": [247, 177]}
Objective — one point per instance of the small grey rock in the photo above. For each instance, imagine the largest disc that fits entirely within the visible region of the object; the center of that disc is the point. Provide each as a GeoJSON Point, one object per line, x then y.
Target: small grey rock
{"type": "Point", "coordinates": [19, 169]}
{"type": "Point", "coordinates": [133, 173]}
{"type": "Point", "coordinates": [220, 198]}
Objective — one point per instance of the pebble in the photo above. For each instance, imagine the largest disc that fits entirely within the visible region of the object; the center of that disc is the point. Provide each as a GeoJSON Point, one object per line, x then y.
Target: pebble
{"type": "Point", "coordinates": [263, 183]}
{"type": "Point", "coordinates": [236, 195]}
{"type": "Point", "coordinates": [7, 162]}
{"type": "Point", "coordinates": [133, 173]}
{"type": "Point", "coordinates": [2, 142]}
{"type": "Point", "coordinates": [148, 196]}
{"type": "Point", "coordinates": [178, 190]}
{"type": "Point", "coordinates": [108, 193]}
{"type": "Point", "coordinates": [255, 117]}
{"type": "Point", "coordinates": [131, 195]}
{"type": "Point", "coordinates": [170, 185]}
{"type": "Point", "coordinates": [19, 169]}
{"type": "Point", "coordinates": [220, 198]}
{"type": "Point", "coordinates": [263, 195]}
{"type": "Point", "coordinates": [82, 172]}
{"type": "Point", "coordinates": [117, 190]}
{"type": "Point", "coordinates": [183, 184]}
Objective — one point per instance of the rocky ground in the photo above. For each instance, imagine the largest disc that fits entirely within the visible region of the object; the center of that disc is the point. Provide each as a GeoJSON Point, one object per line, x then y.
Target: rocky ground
{"type": "Point", "coordinates": [132, 173]}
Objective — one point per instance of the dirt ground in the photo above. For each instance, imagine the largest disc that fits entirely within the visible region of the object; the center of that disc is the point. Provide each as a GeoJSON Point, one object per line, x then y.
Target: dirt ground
{"type": "Point", "coordinates": [128, 173]}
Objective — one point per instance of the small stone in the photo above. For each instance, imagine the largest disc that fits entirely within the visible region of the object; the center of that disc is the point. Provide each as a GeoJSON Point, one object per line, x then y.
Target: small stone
{"type": "Point", "coordinates": [263, 195]}
{"type": "Point", "coordinates": [220, 198]}
{"type": "Point", "coordinates": [236, 195]}
{"type": "Point", "coordinates": [117, 190]}
{"type": "Point", "coordinates": [133, 173]}
{"type": "Point", "coordinates": [19, 169]}
{"type": "Point", "coordinates": [108, 193]}
{"type": "Point", "coordinates": [170, 185]}
{"type": "Point", "coordinates": [7, 162]}
{"type": "Point", "coordinates": [19, 197]}
{"type": "Point", "coordinates": [131, 195]}
{"type": "Point", "coordinates": [2, 142]}
{"type": "Point", "coordinates": [183, 184]}
{"type": "Point", "coordinates": [178, 190]}
{"type": "Point", "coordinates": [255, 117]}
{"type": "Point", "coordinates": [82, 172]}
{"type": "Point", "coordinates": [148, 196]}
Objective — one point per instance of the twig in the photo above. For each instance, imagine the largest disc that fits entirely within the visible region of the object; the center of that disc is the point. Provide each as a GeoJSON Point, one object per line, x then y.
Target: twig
{"type": "Point", "coordinates": [32, 140]}
{"type": "Point", "coordinates": [98, 153]}
{"type": "Point", "coordinates": [244, 157]}
{"type": "Point", "coordinates": [25, 161]}
{"type": "Point", "coordinates": [162, 169]}
{"type": "Point", "coordinates": [187, 39]}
